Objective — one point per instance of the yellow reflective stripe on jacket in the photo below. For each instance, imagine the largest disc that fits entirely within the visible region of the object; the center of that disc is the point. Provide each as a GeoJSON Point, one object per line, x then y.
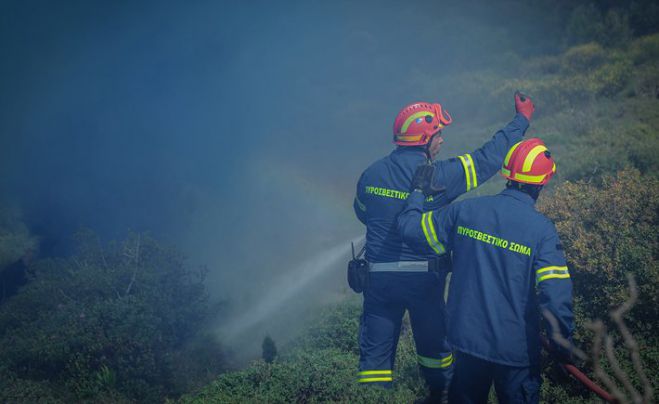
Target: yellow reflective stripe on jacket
{"type": "Point", "coordinates": [467, 173]}
{"type": "Point", "coordinates": [435, 363]}
{"type": "Point", "coordinates": [553, 276]}
{"type": "Point", "coordinates": [431, 235]}
{"type": "Point", "coordinates": [470, 171]}
{"type": "Point", "coordinates": [472, 166]}
{"type": "Point", "coordinates": [369, 376]}
{"type": "Point", "coordinates": [551, 272]}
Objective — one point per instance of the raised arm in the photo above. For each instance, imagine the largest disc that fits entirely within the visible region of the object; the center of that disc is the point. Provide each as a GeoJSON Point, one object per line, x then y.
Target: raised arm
{"type": "Point", "coordinates": [467, 172]}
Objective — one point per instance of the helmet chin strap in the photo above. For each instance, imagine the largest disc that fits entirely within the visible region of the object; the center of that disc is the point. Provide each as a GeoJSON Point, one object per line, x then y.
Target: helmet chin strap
{"type": "Point", "coordinates": [427, 150]}
{"type": "Point", "coordinates": [530, 189]}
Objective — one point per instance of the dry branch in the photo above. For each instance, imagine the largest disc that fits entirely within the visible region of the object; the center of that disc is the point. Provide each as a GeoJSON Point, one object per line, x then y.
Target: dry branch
{"type": "Point", "coordinates": [630, 342]}
{"type": "Point", "coordinates": [599, 329]}
{"type": "Point", "coordinates": [602, 339]}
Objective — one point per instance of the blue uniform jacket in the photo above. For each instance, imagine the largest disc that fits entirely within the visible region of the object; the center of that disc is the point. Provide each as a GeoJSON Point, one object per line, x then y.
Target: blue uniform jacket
{"type": "Point", "coordinates": [384, 186]}
{"type": "Point", "coordinates": [507, 264]}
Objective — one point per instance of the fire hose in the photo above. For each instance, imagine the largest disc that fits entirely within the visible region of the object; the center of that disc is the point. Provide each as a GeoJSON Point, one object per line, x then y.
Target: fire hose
{"type": "Point", "coordinates": [580, 376]}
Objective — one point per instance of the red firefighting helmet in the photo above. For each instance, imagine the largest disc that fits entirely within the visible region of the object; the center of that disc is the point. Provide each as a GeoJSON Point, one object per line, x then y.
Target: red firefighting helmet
{"type": "Point", "coordinates": [529, 162]}
{"type": "Point", "coordinates": [416, 124]}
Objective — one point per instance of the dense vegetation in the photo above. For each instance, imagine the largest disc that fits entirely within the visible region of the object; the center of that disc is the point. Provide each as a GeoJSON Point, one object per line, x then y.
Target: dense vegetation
{"type": "Point", "coordinates": [125, 322]}
{"type": "Point", "coordinates": [112, 324]}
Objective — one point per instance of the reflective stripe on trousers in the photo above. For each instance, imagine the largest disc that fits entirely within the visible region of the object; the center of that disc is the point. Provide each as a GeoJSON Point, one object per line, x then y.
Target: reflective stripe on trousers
{"type": "Point", "coordinates": [371, 376]}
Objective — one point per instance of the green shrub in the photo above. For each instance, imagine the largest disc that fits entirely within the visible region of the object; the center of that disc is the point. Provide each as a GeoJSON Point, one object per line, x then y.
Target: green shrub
{"type": "Point", "coordinates": [335, 327]}
{"type": "Point", "coordinates": [645, 50]}
{"type": "Point", "coordinates": [602, 138]}
{"type": "Point", "coordinates": [617, 31]}
{"type": "Point", "coordinates": [585, 24]}
{"type": "Point", "coordinates": [320, 366]}
{"type": "Point", "coordinates": [584, 57]}
{"type": "Point", "coordinates": [607, 233]}
{"type": "Point", "coordinates": [15, 238]}
{"type": "Point", "coordinates": [307, 376]}
{"type": "Point", "coordinates": [269, 349]}
{"type": "Point", "coordinates": [588, 23]}
{"type": "Point", "coordinates": [106, 322]}
{"type": "Point", "coordinates": [609, 230]}
{"type": "Point", "coordinates": [646, 82]}
{"type": "Point", "coordinates": [609, 79]}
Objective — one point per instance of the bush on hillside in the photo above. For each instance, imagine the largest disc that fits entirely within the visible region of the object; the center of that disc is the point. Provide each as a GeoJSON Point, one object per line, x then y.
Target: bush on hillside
{"type": "Point", "coordinates": [335, 327]}
{"type": "Point", "coordinates": [645, 49]}
{"type": "Point", "coordinates": [584, 57]}
{"type": "Point", "coordinates": [320, 366]}
{"type": "Point", "coordinates": [15, 238]}
{"type": "Point", "coordinates": [610, 230]}
{"type": "Point", "coordinates": [587, 23]}
{"type": "Point", "coordinates": [583, 73]}
{"type": "Point", "coordinates": [308, 376]}
{"type": "Point", "coordinates": [105, 323]}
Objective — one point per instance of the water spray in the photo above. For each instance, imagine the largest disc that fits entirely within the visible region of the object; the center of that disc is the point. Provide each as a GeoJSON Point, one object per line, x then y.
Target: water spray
{"type": "Point", "coordinates": [287, 286]}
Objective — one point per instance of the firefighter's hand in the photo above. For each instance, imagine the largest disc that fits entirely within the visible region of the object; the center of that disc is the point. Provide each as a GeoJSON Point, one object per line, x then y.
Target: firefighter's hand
{"type": "Point", "coordinates": [423, 180]}
{"type": "Point", "coordinates": [524, 105]}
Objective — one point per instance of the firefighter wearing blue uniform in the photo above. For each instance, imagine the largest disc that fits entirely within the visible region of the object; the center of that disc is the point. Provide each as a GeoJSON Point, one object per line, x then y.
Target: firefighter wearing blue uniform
{"type": "Point", "coordinates": [508, 264]}
{"type": "Point", "coordinates": [399, 278]}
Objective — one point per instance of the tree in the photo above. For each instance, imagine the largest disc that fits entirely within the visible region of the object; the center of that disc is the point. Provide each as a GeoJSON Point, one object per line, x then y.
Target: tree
{"type": "Point", "coordinates": [269, 349]}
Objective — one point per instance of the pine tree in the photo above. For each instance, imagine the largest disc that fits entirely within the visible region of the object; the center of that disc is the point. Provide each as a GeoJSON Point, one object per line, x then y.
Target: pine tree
{"type": "Point", "coordinates": [269, 349]}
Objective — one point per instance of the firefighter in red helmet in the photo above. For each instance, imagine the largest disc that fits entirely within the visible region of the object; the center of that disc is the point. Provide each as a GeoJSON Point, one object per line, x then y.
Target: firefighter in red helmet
{"type": "Point", "coordinates": [508, 264]}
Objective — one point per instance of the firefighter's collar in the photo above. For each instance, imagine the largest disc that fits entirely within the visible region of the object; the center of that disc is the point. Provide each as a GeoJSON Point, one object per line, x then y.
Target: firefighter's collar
{"type": "Point", "coordinates": [519, 195]}
{"type": "Point", "coordinates": [410, 149]}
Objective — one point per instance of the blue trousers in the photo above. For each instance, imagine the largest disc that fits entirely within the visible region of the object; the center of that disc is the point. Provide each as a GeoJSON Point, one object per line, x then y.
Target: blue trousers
{"type": "Point", "coordinates": [474, 376]}
{"type": "Point", "coordinates": [387, 297]}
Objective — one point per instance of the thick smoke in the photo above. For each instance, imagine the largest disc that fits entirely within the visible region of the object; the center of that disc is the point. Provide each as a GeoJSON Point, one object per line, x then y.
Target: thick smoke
{"type": "Point", "coordinates": [233, 130]}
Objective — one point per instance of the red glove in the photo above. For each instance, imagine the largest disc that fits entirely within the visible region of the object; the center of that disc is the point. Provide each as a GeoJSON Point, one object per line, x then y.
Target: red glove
{"type": "Point", "coordinates": [524, 105]}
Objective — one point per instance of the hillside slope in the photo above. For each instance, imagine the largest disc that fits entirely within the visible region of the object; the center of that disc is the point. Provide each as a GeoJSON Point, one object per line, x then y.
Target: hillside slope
{"type": "Point", "coordinates": [598, 110]}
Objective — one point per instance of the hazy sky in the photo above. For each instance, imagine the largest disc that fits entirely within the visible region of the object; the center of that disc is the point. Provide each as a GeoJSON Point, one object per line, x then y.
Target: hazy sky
{"type": "Point", "coordinates": [235, 130]}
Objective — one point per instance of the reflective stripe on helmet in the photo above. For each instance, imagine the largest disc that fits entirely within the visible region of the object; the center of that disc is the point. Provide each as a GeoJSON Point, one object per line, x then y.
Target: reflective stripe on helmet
{"type": "Point", "coordinates": [530, 158]}
{"type": "Point", "coordinates": [411, 119]}
{"type": "Point", "coordinates": [506, 161]}
{"type": "Point", "coordinates": [408, 138]}
{"type": "Point", "coordinates": [419, 119]}
{"type": "Point", "coordinates": [529, 162]}
{"type": "Point", "coordinates": [530, 179]}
